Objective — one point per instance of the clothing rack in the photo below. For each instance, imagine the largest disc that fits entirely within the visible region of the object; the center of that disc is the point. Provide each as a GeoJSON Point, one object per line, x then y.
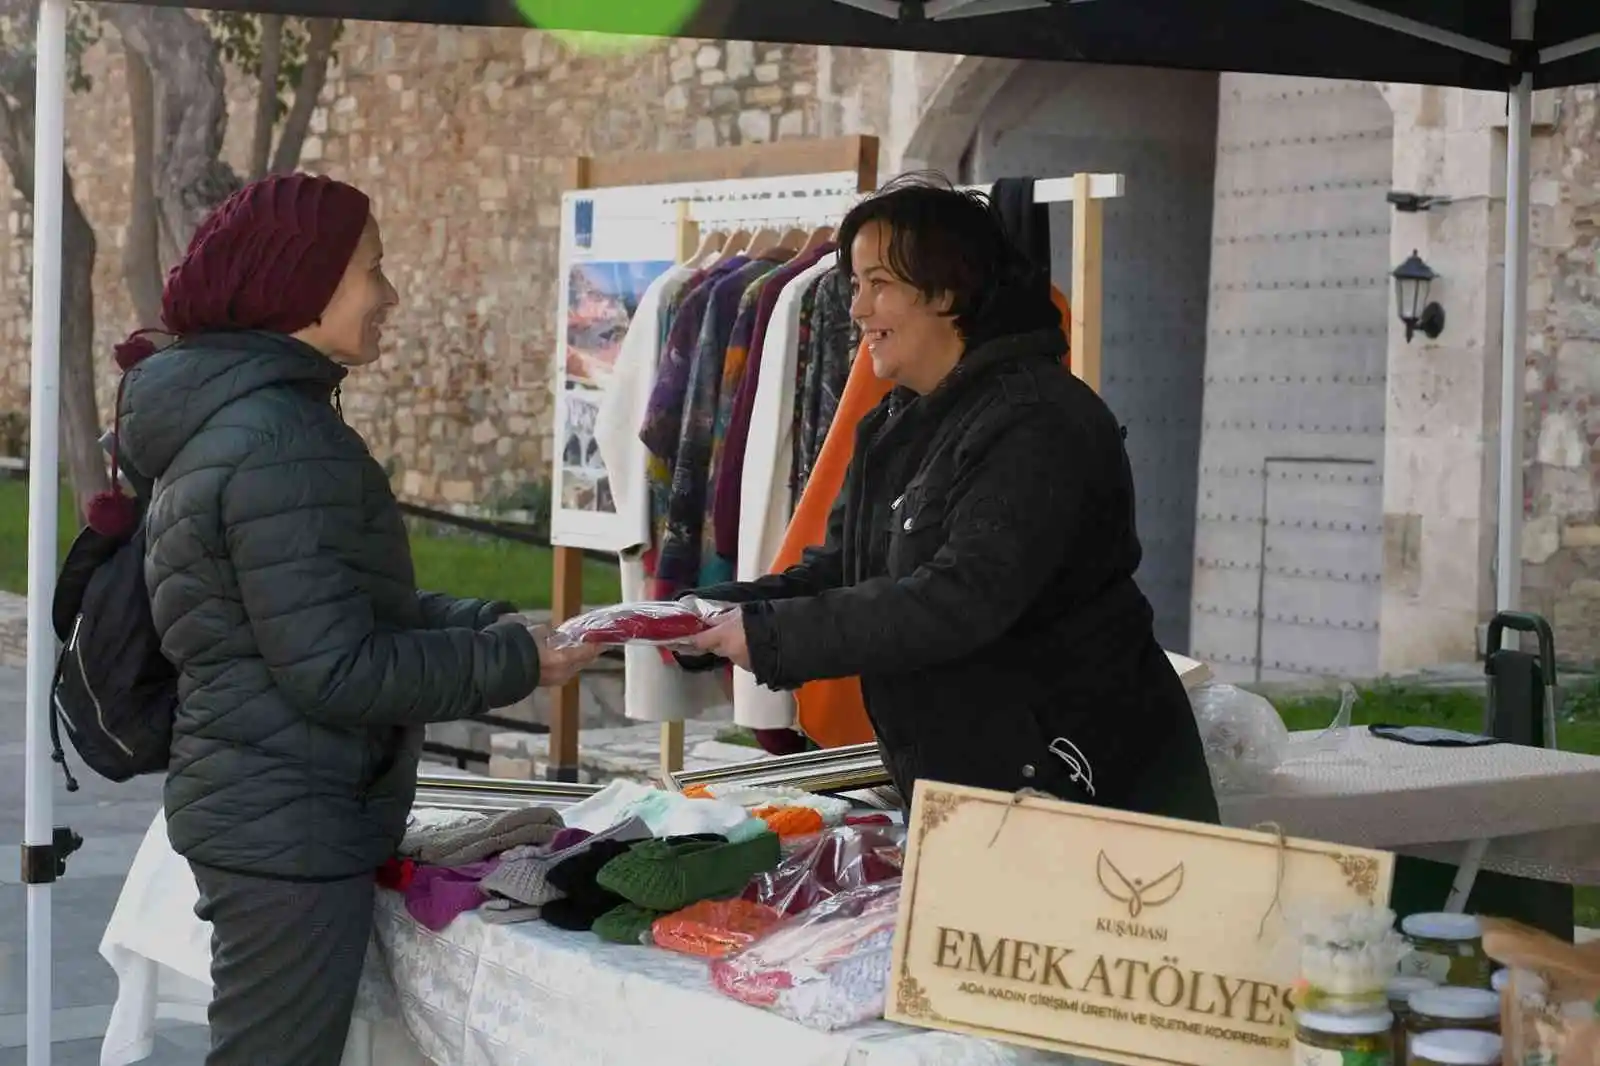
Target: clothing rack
{"type": "Point", "coordinates": [1086, 192]}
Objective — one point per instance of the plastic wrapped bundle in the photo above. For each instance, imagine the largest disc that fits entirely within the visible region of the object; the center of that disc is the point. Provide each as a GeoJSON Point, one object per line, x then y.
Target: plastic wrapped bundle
{"type": "Point", "coordinates": [650, 622]}
{"type": "Point", "coordinates": [828, 968]}
{"type": "Point", "coordinates": [831, 862]}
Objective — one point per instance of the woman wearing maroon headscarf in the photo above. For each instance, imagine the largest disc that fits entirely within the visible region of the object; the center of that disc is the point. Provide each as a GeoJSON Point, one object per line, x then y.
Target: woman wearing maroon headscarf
{"type": "Point", "coordinates": [281, 583]}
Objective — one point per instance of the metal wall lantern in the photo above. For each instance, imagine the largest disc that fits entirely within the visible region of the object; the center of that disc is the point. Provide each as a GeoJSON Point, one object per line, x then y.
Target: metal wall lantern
{"type": "Point", "coordinates": [1412, 279]}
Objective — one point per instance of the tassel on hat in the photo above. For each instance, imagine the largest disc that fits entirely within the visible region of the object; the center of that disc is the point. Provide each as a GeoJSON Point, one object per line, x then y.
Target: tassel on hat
{"type": "Point", "coordinates": [111, 513]}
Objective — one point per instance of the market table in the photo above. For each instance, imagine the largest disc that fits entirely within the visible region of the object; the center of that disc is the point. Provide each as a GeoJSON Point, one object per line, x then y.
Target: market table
{"type": "Point", "coordinates": [479, 994]}
{"type": "Point", "coordinates": [1535, 807]}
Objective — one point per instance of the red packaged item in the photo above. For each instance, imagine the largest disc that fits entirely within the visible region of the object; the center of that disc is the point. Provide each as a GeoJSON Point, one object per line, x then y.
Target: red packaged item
{"type": "Point", "coordinates": [649, 622]}
{"type": "Point", "coordinates": [834, 861]}
{"type": "Point", "coordinates": [713, 928]}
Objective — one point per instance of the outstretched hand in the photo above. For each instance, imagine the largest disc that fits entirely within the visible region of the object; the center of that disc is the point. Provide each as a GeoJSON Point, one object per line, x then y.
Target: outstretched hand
{"type": "Point", "coordinates": [561, 663]}
{"type": "Point", "coordinates": [725, 640]}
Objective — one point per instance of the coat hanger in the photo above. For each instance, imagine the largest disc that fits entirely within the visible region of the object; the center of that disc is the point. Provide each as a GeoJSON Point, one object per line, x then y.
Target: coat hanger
{"type": "Point", "coordinates": [792, 241]}
{"type": "Point", "coordinates": [765, 240]}
{"type": "Point", "coordinates": [710, 241]}
{"type": "Point", "coordinates": [734, 245]}
{"type": "Point", "coordinates": [816, 239]}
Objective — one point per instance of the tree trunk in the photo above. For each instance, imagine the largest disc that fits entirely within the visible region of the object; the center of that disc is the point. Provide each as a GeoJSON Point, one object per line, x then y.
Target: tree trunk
{"type": "Point", "coordinates": [313, 76]}
{"type": "Point", "coordinates": [266, 94]}
{"type": "Point", "coordinates": [80, 415]}
{"type": "Point", "coordinates": [80, 420]}
{"type": "Point", "coordinates": [191, 113]}
{"type": "Point", "coordinates": [141, 255]}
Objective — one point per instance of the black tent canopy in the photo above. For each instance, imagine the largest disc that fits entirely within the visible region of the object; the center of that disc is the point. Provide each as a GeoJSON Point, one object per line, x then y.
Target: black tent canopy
{"type": "Point", "coordinates": [1469, 43]}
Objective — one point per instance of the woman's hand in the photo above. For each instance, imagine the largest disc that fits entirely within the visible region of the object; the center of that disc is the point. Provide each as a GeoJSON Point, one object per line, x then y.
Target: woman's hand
{"type": "Point", "coordinates": [559, 665]}
{"type": "Point", "coordinates": [725, 640]}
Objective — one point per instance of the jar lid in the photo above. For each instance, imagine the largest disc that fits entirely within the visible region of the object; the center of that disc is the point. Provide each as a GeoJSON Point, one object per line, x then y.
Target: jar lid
{"type": "Point", "coordinates": [1442, 926]}
{"type": "Point", "coordinates": [1457, 1047]}
{"type": "Point", "coordinates": [1367, 1023]}
{"type": "Point", "coordinates": [1399, 989]}
{"type": "Point", "coordinates": [1455, 1002]}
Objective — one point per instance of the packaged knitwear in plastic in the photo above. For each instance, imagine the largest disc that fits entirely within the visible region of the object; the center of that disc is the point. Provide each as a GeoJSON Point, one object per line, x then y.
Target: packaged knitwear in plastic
{"type": "Point", "coordinates": [651, 622]}
{"type": "Point", "coordinates": [827, 968]}
{"type": "Point", "coordinates": [713, 928]}
{"type": "Point", "coordinates": [834, 861]}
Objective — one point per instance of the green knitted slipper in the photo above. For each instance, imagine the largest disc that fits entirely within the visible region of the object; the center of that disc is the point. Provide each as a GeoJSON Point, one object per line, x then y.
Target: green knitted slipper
{"type": "Point", "coordinates": [668, 877]}
{"type": "Point", "coordinates": [626, 924]}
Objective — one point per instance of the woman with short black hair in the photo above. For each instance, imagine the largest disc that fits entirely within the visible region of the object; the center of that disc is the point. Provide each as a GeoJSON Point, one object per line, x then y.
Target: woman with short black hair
{"type": "Point", "coordinates": [978, 569]}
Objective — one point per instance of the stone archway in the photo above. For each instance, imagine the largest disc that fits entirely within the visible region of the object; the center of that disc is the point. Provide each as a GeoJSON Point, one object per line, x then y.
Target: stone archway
{"type": "Point", "coordinates": [938, 124]}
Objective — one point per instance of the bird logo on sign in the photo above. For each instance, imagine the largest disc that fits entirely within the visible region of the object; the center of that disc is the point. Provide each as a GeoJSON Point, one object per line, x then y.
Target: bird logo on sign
{"type": "Point", "coordinates": [1135, 892]}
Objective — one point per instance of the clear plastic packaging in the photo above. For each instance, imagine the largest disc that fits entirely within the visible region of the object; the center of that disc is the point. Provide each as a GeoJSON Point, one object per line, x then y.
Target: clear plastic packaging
{"type": "Point", "coordinates": [822, 866]}
{"type": "Point", "coordinates": [713, 928]}
{"type": "Point", "coordinates": [827, 968]}
{"type": "Point", "coordinates": [1244, 737]}
{"type": "Point", "coordinates": [1550, 1008]}
{"type": "Point", "coordinates": [662, 623]}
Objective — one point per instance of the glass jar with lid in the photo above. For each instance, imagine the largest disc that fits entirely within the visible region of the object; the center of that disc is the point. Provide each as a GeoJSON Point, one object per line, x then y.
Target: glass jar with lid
{"type": "Point", "coordinates": [1326, 1038]}
{"type": "Point", "coordinates": [1434, 1009]}
{"type": "Point", "coordinates": [1398, 991]}
{"type": "Point", "coordinates": [1447, 948]}
{"type": "Point", "coordinates": [1456, 1047]}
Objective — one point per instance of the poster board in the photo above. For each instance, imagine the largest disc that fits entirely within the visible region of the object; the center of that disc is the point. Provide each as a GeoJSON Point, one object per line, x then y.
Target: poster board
{"type": "Point", "coordinates": [614, 243]}
{"type": "Point", "coordinates": [1116, 936]}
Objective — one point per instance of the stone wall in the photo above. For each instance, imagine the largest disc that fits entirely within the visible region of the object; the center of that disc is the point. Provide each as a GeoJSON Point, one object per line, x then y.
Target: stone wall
{"type": "Point", "coordinates": [462, 137]}
{"type": "Point", "coordinates": [1561, 541]}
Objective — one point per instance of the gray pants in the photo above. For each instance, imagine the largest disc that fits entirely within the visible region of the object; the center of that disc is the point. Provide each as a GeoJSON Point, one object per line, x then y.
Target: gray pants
{"type": "Point", "coordinates": [286, 959]}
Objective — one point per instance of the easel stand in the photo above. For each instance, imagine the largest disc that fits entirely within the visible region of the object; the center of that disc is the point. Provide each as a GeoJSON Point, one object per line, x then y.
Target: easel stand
{"type": "Point", "coordinates": [838, 155]}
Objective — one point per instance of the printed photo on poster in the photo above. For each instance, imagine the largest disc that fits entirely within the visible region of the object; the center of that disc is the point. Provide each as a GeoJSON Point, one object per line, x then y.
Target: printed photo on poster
{"type": "Point", "coordinates": [601, 300]}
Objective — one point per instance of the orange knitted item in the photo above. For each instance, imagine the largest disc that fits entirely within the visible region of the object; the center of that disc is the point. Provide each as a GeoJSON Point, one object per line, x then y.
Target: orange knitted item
{"type": "Point", "coordinates": [791, 821]}
{"type": "Point", "coordinates": [698, 792]}
{"type": "Point", "coordinates": [713, 928]}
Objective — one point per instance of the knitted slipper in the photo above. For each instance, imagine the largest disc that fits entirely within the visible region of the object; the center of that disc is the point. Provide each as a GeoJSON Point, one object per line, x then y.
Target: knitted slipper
{"type": "Point", "coordinates": [626, 924]}
{"type": "Point", "coordinates": [489, 836]}
{"type": "Point", "coordinates": [664, 876]}
{"type": "Point", "coordinates": [506, 912]}
{"type": "Point", "coordinates": [524, 875]}
{"type": "Point", "coordinates": [578, 914]}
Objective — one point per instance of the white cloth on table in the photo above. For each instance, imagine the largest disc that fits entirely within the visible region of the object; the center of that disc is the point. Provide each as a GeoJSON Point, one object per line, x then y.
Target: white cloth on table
{"type": "Point", "coordinates": [654, 690]}
{"type": "Point", "coordinates": [765, 497]}
{"type": "Point", "coordinates": [479, 994]}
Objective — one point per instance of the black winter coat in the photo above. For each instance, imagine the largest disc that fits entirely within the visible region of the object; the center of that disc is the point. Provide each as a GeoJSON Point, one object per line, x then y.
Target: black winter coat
{"type": "Point", "coordinates": [978, 576]}
{"type": "Point", "coordinates": [281, 583]}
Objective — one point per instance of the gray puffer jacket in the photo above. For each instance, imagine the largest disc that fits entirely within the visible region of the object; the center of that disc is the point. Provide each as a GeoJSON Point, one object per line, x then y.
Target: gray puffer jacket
{"type": "Point", "coordinates": [281, 583]}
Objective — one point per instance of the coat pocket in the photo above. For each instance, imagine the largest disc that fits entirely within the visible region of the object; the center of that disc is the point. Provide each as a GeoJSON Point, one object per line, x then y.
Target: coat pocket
{"type": "Point", "coordinates": [915, 530]}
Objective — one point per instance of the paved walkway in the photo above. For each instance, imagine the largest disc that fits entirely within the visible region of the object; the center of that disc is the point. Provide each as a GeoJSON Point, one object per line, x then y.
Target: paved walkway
{"type": "Point", "coordinates": [112, 820]}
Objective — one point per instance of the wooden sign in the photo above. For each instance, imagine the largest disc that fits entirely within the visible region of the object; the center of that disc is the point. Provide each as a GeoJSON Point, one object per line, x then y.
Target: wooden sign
{"type": "Point", "coordinates": [1116, 936]}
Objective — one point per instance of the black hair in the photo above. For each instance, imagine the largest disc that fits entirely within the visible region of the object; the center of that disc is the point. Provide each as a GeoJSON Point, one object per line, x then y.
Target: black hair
{"type": "Point", "coordinates": [947, 240]}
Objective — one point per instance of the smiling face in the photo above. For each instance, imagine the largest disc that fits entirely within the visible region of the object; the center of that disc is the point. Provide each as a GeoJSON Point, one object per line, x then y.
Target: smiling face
{"type": "Point", "coordinates": [350, 331]}
{"type": "Point", "coordinates": [911, 337]}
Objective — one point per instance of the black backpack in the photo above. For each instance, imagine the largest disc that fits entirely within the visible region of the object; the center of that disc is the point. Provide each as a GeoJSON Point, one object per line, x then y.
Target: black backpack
{"type": "Point", "coordinates": [114, 691]}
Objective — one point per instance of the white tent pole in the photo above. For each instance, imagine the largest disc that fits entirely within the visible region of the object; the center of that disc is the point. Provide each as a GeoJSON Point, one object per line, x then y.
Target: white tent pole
{"type": "Point", "coordinates": [44, 386]}
{"type": "Point", "coordinates": [1514, 335]}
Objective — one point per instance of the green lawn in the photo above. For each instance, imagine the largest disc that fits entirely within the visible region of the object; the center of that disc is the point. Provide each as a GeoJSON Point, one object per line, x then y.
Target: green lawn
{"type": "Point", "coordinates": [1456, 709]}
{"type": "Point", "coordinates": [462, 565]}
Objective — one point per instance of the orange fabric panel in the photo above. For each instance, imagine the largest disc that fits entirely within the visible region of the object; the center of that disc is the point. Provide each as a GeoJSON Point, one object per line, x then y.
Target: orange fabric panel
{"type": "Point", "coordinates": [831, 712]}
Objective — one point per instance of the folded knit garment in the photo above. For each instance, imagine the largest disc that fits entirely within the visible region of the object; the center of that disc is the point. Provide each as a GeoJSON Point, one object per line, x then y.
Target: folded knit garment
{"type": "Point", "coordinates": [578, 914]}
{"type": "Point", "coordinates": [524, 874]}
{"type": "Point", "coordinates": [668, 875]}
{"type": "Point", "coordinates": [506, 912]}
{"type": "Point", "coordinates": [626, 924]}
{"type": "Point", "coordinates": [489, 835]}
{"type": "Point", "coordinates": [437, 894]}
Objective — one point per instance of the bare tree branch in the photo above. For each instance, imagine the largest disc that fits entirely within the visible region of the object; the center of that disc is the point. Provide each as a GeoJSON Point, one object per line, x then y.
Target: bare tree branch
{"type": "Point", "coordinates": [189, 176]}
{"type": "Point", "coordinates": [141, 254]}
{"type": "Point", "coordinates": [323, 34]}
{"type": "Point", "coordinates": [266, 93]}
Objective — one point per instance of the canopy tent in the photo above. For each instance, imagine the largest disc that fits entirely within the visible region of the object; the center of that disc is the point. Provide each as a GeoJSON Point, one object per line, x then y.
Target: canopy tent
{"type": "Point", "coordinates": [1513, 45]}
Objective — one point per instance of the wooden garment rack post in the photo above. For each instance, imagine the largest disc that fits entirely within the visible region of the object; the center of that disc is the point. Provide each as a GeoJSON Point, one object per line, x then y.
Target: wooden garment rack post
{"type": "Point", "coordinates": [778, 159]}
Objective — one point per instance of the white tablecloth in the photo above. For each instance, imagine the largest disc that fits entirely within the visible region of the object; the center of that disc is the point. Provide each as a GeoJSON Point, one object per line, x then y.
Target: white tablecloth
{"type": "Point", "coordinates": [479, 994]}
{"type": "Point", "coordinates": [1537, 806]}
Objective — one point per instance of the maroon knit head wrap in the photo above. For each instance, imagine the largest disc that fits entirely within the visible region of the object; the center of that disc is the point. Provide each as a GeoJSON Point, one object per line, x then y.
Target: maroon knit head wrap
{"type": "Point", "coordinates": [270, 257]}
